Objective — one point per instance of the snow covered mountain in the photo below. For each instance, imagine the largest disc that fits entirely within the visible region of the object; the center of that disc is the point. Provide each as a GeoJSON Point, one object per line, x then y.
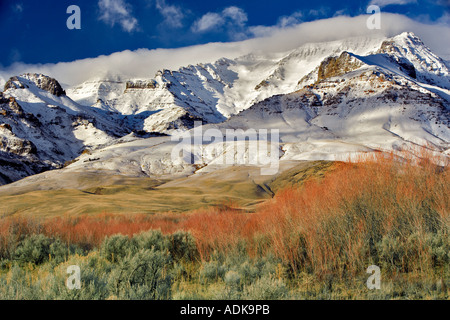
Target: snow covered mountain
{"type": "Point", "coordinates": [327, 99]}
{"type": "Point", "coordinates": [210, 92]}
{"type": "Point", "coordinates": [42, 128]}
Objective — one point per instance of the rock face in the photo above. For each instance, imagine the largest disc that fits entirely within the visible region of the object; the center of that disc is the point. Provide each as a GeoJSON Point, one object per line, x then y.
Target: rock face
{"type": "Point", "coordinates": [152, 84]}
{"type": "Point", "coordinates": [18, 154]}
{"type": "Point", "coordinates": [41, 128]}
{"type": "Point", "coordinates": [41, 81]}
{"type": "Point", "coordinates": [392, 52]}
{"type": "Point", "coordinates": [416, 60]}
{"type": "Point", "coordinates": [337, 66]}
{"type": "Point", "coordinates": [17, 146]}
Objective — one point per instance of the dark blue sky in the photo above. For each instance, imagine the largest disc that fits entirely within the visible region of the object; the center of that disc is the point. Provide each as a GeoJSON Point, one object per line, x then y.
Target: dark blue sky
{"type": "Point", "coordinates": [35, 31]}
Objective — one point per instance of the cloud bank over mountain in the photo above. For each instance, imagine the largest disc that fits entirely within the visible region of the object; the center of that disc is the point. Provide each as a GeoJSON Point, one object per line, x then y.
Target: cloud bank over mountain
{"type": "Point", "coordinates": [144, 63]}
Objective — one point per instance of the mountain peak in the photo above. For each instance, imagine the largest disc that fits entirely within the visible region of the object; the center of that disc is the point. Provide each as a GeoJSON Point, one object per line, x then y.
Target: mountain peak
{"type": "Point", "coordinates": [35, 79]}
{"type": "Point", "coordinates": [408, 35]}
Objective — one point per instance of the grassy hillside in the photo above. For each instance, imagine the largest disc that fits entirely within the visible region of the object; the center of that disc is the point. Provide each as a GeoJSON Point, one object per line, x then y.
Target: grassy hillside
{"type": "Point", "coordinates": [97, 193]}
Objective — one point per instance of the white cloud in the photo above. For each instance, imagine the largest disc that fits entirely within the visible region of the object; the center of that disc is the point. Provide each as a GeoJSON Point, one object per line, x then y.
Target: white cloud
{"type": "Point", "coordinates": [445, 18]}
{"type": "Point", "coordinates": [322, 11]}
{"type": "Point", "coordinates": [283, 22]}
{"type": "Point", "coordinates": [293, 19]}
{"type": "Point", "coordinates": [173, 15]}
{"type": "Point", "coordinates": [114, 12]}
{"type": "Point", "coordinates": [208, 22]}
{"type": "Point", "coordinates": [235, 17]}
{"type": "Point", "coordinates": [144, 63]}
{"type": "Point", "coordinates": [384, 3]}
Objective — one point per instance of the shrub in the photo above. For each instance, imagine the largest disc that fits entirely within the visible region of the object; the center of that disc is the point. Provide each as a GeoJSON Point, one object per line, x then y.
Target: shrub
{"type": "Point", "coordinates": [266, 288]}
{"type": "Point", "coordinates": [319, 236]}
{"type": "Point", "coordinates": [151, 239]}
{"type": "Point", "coordinates": [232, 278]}
{"type": "Point", "coordinates": [439, 244]}
{"type": "Point", "coordinates": [12, 231]}
{"type": "Point", "coordinates": [38, 248]}
{"type": "Point", "coordinates": [212, 271]}
{"type": "Point", "coordinates": [249, 272]}
{"type": "Point", "coordinates": [144, 275]}
{"type": "Point", "coordinates": [182, 246]}
{"type": "Point", "coordinates": [116, 247]}
{"type": "Point", "coordinates": [34, 249]}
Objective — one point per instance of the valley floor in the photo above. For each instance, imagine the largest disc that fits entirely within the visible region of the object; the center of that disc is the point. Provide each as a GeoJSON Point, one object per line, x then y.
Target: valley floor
{"type": "Point", "coordinates": [57, 193]}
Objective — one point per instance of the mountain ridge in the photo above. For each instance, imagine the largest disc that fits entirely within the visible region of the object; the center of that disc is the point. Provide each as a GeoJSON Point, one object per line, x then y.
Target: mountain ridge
{"type": "Point", "coordinates": [326, 99]}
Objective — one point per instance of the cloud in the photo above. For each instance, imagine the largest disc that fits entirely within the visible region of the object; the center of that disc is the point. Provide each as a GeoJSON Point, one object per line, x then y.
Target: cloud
{"type": "Point", "coordinates": [143, 63]}
{"type": "Point", "coordinates": [18, 7]}
{"type": "Point", "coordinates": [323, 11]}
{"type": "Point", "coordinates": [237, 15]}
{"type": "Point", "coordinates": [233, 17]}
{"type": "Point", "coordinates": [384, 3]}
{"type": "Point", "coordinates": [293, 19]}
{"type": "Point", "coordinates": [444, 19]}
{"type": "Point", "coordinates": [173, 15]}
{"type": "Point", "coordinates": [208, 22]}
{"type": "Point", "coordinates": [114, 12]}
{"type": "Point", "coordinates": [283, 22]}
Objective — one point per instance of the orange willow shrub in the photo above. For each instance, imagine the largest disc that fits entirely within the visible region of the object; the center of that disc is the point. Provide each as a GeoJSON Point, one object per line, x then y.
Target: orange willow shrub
{"type": "Point", "coordinates": [336, 223]}
{"type": "Point", "coordinates": [213, 229]}
{"type": "Point", "coordinates": [14, 229]}
{"type": "Point", "coordinates": [329, 225]}
{"type": "Point", "coordinates": [90, 231]}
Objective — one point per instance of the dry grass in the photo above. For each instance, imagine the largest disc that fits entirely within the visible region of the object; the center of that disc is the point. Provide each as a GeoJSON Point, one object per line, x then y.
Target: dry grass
{"type": "Point", "coordinates": [72, 193]}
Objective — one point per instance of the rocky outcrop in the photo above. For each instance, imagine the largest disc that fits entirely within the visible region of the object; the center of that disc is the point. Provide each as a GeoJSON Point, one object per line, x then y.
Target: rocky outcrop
{"type": "Point", "coordinates": [390, 48]}
{"type": "Point", "coordinates": [338, 66]}
{"type": "Point", "coordinates": [262, 84]}
{"type": "Point", "coordinates": [151, 84]}
{"type": "Point", "coordinates": [186, 121]}
{"type": "Point", "coordinates": [338, 98]}
{"type": "Point", "coordinates": [14, 83]}
{"type": "Point", "coordinates": [15, 107]}
{"type": "Point", "coordinates": [16, 145]}
{"type": "Point", "coordinates": [39, 80]}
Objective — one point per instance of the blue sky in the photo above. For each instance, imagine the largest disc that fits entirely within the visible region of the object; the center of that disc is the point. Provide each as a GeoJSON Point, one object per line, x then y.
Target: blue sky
{"type": "Point", "coordinates": [35, 31]}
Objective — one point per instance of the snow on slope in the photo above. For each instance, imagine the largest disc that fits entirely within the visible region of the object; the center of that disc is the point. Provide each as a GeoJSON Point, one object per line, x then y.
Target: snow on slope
{"type": "Point", "coordinates": [371, 104]}
{"type": "Point", "coordinates": [329, 100]}
{"type": "Point", "coordinates": [429, 68]}
{"type": "Point", "coordinates": [215, 91]}
{"type": "Point", "coordinates": [364, 110]}
{"type": "Point", "coordinates": [42, 128]}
